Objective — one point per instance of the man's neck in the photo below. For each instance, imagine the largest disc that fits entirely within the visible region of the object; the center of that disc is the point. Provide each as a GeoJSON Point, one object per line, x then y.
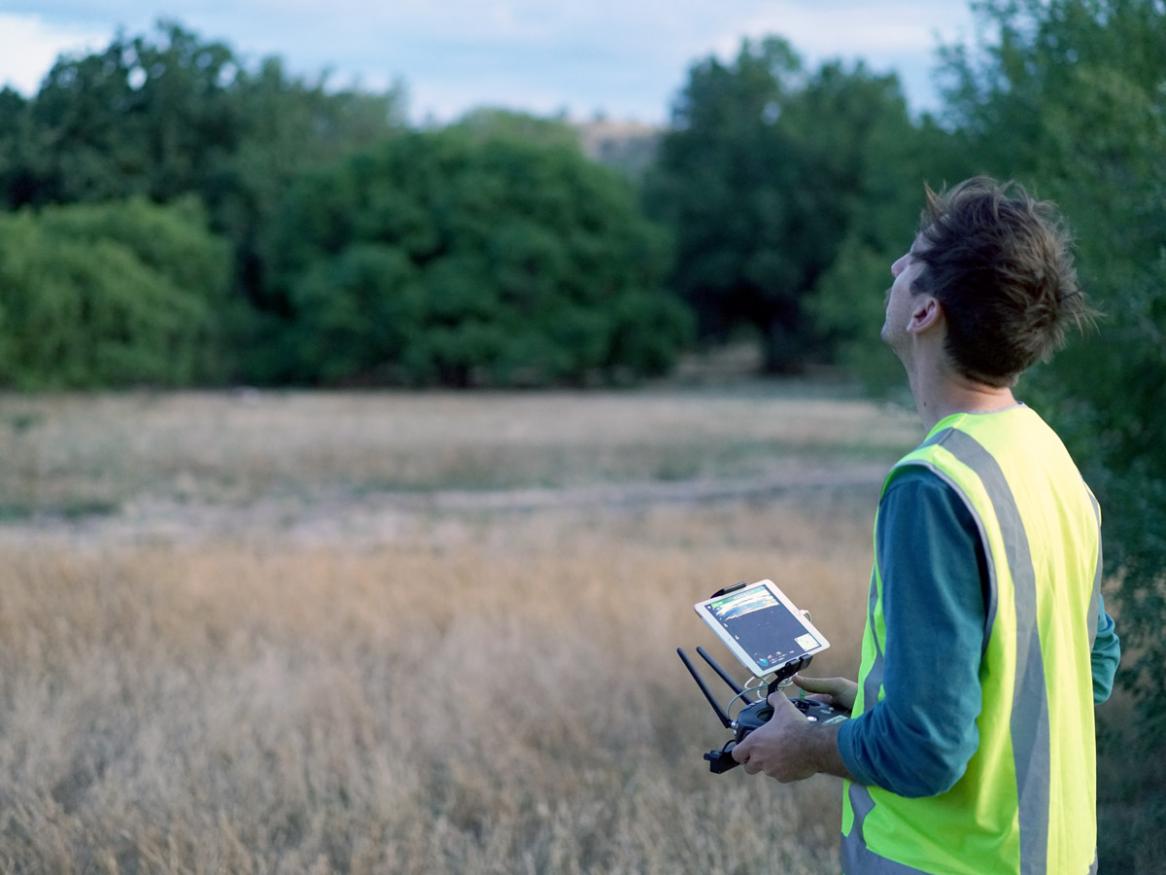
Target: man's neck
{"type": "Point", "coordinates": [939, 392]}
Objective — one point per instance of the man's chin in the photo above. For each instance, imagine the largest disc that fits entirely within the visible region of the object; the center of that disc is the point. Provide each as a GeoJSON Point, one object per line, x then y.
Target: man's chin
{"type": "Point", "coordinates": [896, 348]}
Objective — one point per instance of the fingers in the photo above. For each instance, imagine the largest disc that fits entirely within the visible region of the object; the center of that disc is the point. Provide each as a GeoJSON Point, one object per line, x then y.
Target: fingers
{"type": "Point", "coordinates": [839, 692]}
{"type": "Point", "coordinates": [740, 752]}
{"type": "Point", "coordinates": [830, 686]}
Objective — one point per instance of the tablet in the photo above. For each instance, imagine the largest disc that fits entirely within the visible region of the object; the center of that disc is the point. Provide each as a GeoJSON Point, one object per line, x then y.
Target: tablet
{"type": "Point", "coordinates": [761, 627]}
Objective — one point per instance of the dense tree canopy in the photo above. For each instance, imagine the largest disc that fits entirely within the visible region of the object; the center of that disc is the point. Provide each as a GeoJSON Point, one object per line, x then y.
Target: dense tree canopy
{"type": "Point", "coordinates": [449, 258]}
{"type": "Point", "coordinates": [503, 256]}
{"type": "Point", "coordinates": [769, 173]}
{"type": "Point", "coordinates": [168, 114]}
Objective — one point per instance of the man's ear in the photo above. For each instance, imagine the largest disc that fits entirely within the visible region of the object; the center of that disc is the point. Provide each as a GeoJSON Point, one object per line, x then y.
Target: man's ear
{"type": "Point", "coordinates": [926, 313]}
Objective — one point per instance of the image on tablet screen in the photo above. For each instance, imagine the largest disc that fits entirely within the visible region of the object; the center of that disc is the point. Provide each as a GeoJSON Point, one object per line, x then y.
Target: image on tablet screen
{"type": "Point", "coordinates": [762, 626]}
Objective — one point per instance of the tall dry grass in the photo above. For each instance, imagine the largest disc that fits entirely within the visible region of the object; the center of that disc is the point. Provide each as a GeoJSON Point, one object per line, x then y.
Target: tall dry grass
{"type": "Point", "coordinates": [473, 692]}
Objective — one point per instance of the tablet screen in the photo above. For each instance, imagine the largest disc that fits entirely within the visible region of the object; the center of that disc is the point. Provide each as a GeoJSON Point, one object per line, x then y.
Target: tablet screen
{"type": "Point", "coordinates": [762, 626]}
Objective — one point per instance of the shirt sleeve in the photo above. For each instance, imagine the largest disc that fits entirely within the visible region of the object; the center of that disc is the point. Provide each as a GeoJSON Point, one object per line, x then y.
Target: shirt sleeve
{"type": "Point", "coordinates": [917, 741]}
{"type": "Point", "coordinates": [1106, 655]}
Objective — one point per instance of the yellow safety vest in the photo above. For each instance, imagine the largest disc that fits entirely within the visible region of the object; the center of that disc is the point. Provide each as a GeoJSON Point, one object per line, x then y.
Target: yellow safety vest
{"type": "Point", "coordinates": [1027, 801]}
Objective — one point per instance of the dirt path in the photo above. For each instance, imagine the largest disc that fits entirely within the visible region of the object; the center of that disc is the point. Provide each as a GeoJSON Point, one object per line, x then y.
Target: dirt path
{"type": "Point", "coordinates": [389, 516]}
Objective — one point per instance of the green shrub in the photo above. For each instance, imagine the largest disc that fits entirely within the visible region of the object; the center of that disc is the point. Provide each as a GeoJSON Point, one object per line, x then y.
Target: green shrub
{"type": "Point", "coordinates": [114, 294]}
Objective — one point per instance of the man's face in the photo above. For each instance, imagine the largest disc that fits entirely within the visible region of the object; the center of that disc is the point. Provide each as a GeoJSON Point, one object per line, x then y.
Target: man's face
{"type": "Point", "coordinates": [904, 272]}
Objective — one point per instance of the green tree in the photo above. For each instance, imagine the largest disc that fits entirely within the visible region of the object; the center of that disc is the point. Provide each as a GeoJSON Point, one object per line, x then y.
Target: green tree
{"type": "Point", "coordinates": [288, 126]}
{"type": "Point", "coordinates": [718, 184]}
{"type": "Point", "coordinates": [20, 148]}
{"type": "Point", "coordinates": [767, 171]}
{"type": "Point", "coordinates": [113, 294]}
{"type": "Point", "coordinates": [493, 123]}
{"type": "Point", "coordinates": [140, 117]}
{"type": "Point", "coordinates": [451, 258]}
{"type": "Point", "coordinates": [848, 302]}
{"type": "Point", "coordinates": [168, 114]}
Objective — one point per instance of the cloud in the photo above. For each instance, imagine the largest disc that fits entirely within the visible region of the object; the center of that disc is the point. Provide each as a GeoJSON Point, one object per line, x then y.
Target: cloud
{"type": "Point", "coordinates": [626, 58]}
{"type": "Point", "coordinates": [847, 28]}
{"type": "Point", "coordinates": [30, 45]}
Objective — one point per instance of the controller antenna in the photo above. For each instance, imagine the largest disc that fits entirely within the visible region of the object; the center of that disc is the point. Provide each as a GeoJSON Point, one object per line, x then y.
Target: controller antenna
{"type": "Point", "coordinates": [717, 709]}
{"type": "Point", "coordinates": [724, 675]}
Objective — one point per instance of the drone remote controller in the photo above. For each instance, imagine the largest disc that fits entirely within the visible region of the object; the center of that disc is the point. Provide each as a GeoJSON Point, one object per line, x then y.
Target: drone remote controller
{"type": "Point", "coordinates": [757, 712]}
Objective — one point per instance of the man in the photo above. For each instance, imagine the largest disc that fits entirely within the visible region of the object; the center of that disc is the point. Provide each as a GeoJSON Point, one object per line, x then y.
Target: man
{"type": "Point", "coordinates": [971, 746]}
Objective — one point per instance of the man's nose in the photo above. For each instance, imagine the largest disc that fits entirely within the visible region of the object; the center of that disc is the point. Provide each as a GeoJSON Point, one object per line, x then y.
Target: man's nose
{"type": "Point", "coordinates": [898, 265]}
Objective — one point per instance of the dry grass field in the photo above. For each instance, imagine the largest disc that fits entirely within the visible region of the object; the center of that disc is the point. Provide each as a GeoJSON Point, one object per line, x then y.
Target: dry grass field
{"type": "Point", "coordinates": [409, 633]}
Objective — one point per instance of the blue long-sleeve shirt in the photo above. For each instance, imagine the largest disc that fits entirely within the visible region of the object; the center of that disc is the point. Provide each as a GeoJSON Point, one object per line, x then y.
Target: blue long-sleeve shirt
{"type": "Point", "coordinates": [918, 740]}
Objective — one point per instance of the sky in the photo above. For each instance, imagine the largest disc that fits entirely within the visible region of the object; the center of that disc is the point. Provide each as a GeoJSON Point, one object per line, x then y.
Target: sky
{"type": "Point", "coordinates": [626, 59]}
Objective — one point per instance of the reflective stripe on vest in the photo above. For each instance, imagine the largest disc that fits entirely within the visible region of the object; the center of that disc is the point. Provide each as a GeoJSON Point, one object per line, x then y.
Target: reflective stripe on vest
{"type": "Point", "coordinates": [1001, 816]}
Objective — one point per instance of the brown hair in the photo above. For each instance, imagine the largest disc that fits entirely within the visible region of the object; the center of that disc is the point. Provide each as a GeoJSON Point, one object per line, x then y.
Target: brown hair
{"type": "Point", "coordinates": [999, 262]}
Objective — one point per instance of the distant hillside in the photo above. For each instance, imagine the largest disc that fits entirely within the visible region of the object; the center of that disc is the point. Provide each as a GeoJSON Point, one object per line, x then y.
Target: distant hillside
{"type": "Point", "coordinates": [627, 146]}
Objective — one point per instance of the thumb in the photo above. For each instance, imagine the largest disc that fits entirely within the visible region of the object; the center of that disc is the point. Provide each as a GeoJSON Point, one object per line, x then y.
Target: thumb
{"type": "Point", "coordinates": [780, 700]}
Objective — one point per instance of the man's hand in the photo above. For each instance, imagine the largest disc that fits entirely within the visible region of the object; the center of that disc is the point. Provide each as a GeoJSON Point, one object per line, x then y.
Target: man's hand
{"type": "Point", "coordinates": [791, 748]}
{"type": "Point", "coordinates": [838, 692]}
{"type": "Point", "coordinates": [779, 748]}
